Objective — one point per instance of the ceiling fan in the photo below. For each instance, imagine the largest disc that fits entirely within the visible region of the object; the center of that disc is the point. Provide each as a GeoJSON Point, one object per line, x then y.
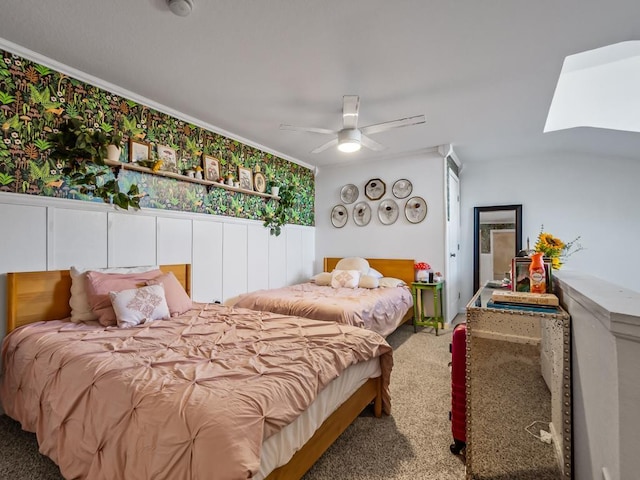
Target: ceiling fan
{"type": "Point", "coordinates": [351, 138]}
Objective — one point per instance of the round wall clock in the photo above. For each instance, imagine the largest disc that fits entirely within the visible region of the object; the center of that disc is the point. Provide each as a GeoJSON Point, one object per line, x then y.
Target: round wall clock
{"type": "Point", "coordinates": [415, 209]}
{"type": "Point", "coordinates": [260, 182]}
{"type": "Point", "coordinates": [388, 211]}
{"type": "Point", "coordinates": [349, 193]}
{"type": "Point", "coordinates": [375, 189]}
{"type": "Point", "coordinates": [361, 214]}
{"type": "Point", "coordinates": [339, 216]}
{"type": "Point", "coordinates": [402, 188]}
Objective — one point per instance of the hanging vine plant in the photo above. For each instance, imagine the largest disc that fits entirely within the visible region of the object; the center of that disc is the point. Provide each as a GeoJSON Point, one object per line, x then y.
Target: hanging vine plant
{"type": "Point", "coordinates": [82, 151]}
{"type": "Point", "coordinates": [275, 219]}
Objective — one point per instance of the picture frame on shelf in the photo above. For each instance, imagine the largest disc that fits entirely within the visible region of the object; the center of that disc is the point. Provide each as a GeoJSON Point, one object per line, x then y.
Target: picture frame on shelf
{"type": "Point", "coordinates": [245, 177]}
{"type": "Point", "coordinates": [168, 157]}
{"type": "Point", "coordinates": [211, 168]}
{"type": "Point", "coordinates": [520, 274]}
{"type": "Point", "coordinates": [260, 182]}
{"type": "Point", "coordinates": [139, 150]}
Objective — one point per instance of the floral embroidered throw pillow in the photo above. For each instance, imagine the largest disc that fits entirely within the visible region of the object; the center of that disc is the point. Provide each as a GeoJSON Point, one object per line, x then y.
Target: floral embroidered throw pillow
{"type": "Point", "coordinates": [139, 305]}
{"type": "Point", "coordinates": [345, 278]}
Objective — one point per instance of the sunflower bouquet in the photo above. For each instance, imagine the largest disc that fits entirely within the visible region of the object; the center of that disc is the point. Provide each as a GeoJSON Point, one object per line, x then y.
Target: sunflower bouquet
{"type": "Point", "coordinates": [555, 249]}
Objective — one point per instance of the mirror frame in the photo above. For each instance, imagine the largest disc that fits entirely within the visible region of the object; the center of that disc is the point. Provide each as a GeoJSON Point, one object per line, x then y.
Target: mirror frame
{"type": "Point", "coordinates": [517, 209]}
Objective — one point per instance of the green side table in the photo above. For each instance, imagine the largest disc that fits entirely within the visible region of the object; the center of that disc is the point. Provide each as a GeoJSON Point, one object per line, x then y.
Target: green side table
{"type": "Point", "coordinates": [419, 318]}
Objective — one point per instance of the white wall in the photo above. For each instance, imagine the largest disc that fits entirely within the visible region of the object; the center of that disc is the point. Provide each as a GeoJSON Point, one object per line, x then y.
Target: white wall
{"type": "Point", "coordinates": [424, 241]}
{"type": "Point", "coordinates": [228, 256]}
{"type": "Point", "coordinates": [596, 198]}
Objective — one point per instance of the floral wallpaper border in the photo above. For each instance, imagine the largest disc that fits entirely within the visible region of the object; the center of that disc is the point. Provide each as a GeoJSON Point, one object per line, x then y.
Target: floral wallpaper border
{"type": "Point", "coordinates": [35, 100]}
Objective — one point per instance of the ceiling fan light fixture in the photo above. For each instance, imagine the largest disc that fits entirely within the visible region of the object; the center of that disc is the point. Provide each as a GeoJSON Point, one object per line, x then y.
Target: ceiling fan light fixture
{"type": "Point", "coordinates": [182, 8]}
{"type": "Point", "coordinates": [349, 140]}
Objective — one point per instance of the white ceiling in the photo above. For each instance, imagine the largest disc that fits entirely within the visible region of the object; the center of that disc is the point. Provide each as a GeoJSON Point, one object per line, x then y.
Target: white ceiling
{"type": "Point", "coordinates": [482, 72]}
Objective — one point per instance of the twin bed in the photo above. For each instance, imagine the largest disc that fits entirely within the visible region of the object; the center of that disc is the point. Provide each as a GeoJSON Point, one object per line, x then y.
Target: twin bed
{"type": "Point", "coordinates": [216, 392]}
{"type": "Point", "coordinates": [381, 310]}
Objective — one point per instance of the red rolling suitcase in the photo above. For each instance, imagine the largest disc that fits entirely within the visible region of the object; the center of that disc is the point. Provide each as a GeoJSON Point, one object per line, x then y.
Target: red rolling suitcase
{"type": "Point", "coordinates": [458, 348]}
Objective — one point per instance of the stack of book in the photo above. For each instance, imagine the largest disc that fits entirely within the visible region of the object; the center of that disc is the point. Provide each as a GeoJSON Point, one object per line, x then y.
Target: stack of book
{"type": "Point", "coordinates": [533, 302]}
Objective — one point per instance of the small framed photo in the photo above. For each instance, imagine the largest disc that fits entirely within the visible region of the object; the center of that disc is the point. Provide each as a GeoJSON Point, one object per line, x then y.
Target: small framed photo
{"type": "Point", "coordinates": [260, 183]}
{"type": "Point", "coordinates": [168, 157]}
{"type": "Point", "coordinates": [245, 176]}
{"type": "Point", "coordinates": [139, 150]}
{"type": "Point", "coordinates": [520, 274]}
{"type": "Point", "coordinates": [211, 168]}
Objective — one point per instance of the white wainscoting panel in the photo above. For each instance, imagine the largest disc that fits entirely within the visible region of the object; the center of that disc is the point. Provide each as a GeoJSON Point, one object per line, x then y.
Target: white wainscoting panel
{"type": "Point", "coordinates": [174, 240]}
{"type": "Point", "coordinates": [234, 260]}
{"type": "Point", "coordinates": [257, 258]}
{"type": "Point", "coordinates": [206, 269]}
{"type": "Point", "coordinates": [308, 253]}
{"type": "Point", "coordinates": [23, 238]}
{"type": "Point", "coordinates": [278, 260]}
{"type": "Point", "coordinates": [132, 239]}
{"type": "Point", "coordinates": [78, 238]}
{"type": "Point", "coordinates": [294, 256]}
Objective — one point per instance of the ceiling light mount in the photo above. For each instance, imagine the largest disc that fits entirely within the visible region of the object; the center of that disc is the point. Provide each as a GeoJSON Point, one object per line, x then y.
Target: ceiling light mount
{"type": "Point", "coordinates": [349, 140]}
{"type": "Point", "coordinates": [182, 8]}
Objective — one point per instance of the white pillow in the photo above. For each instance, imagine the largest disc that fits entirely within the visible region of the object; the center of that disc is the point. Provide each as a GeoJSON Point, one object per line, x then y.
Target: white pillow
{"type": "Point", "coordinates": [368, 281]}
{"type": "Point", "coordinates": [375, 273]}
{"type": "Point", "coordinates": [79, 302]}
{"type": "Point", "coordinates": [139, 305]}
{"type": "Point", "coordinates": [353, 263]}
{"type": "Point", "coordinates": [323, 279]}
{"type": "Point", "coordinates": [391, 282]}
{"type": "Point", "coordinates": [345, 278]}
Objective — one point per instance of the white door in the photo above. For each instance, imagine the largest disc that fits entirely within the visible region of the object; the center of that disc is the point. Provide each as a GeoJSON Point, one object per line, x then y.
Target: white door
{"type": "Point", "coordinates": [452, 279]}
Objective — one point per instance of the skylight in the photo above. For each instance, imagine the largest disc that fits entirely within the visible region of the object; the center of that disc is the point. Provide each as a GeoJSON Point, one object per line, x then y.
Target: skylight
{"type": "Point", "coordinates": [598, 88]}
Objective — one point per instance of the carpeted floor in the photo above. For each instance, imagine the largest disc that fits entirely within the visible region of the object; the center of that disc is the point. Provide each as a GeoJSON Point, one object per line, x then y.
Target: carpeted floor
{"type": "Point", "coordinates": [412, 443]}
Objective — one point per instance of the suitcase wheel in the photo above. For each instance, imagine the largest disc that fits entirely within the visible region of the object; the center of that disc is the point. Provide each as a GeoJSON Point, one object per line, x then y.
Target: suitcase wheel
{"type": "Point", "coordinates": [456, 447]}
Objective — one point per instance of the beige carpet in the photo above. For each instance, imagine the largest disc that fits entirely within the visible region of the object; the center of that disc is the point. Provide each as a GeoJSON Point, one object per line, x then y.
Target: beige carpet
{"type": "Point", "coordinates": [412, 443]}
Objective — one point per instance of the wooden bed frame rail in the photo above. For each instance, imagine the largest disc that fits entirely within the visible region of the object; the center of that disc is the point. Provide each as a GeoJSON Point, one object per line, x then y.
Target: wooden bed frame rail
{"type": "Point", "coordinates": [330, 430]}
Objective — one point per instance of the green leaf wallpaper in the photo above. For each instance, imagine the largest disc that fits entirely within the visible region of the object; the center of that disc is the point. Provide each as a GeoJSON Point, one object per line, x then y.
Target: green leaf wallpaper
{"type": "Point", "coordinates": [35, 100]}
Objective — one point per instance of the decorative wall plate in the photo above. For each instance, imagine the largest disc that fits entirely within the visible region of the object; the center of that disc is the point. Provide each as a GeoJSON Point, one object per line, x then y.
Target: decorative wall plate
{"type": "Point", "coordinates": [375, 189]}
{"type": "Point", "coordinates": [388, 211]}
{"type": "Point", "coordinates": [339, 216]}
{"type": "Point", "coordinates": [361, 214]}
{"type": "Point", "coordinates": [349, 193]}
{"type": "Point", "coordinates": [415, 209]}
{"type": "Point", "coordinates": [260, 182]}
{"type": "Point", "coordinates": [402, 188]}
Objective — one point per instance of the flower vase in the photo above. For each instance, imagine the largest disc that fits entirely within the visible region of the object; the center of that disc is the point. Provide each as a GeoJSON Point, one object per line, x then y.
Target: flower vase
{"type": "Point", "coordinates": [422, 275]}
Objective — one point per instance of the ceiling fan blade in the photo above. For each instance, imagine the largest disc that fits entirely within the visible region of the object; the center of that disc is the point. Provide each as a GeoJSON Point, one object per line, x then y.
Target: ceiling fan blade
{"type": "Point", "coordinates": [307, 129]}
{"type": "Point", "coordinates": [403, 122]}
{"type": "Point", "coordinates": [371, 144]}
{"type": "Point", "coordinates": [324, 146]}
{"type": "Point", "coordinates": [350, 107]}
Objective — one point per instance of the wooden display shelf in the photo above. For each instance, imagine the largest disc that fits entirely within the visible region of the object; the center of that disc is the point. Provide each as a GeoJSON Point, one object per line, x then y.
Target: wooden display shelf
{"type": "Point", "coordinates": [208, 183]}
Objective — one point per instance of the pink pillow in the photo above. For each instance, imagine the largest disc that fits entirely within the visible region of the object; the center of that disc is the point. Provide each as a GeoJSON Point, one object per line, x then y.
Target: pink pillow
{"type": "Point", "coordinates": [100, 284]}
{"type": "Point", "coordinates": [177, 299]}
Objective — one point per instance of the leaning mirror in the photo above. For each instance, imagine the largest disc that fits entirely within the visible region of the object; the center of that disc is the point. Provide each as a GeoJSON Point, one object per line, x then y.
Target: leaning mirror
{"type": "Point", "coordinates": [497, 238]}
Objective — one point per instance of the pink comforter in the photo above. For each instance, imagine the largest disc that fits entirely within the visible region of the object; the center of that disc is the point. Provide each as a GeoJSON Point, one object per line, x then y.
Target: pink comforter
{"type": "Point", "coordinates": [188, 398]}
{"type": "Point", "coordinates": [377, 309]}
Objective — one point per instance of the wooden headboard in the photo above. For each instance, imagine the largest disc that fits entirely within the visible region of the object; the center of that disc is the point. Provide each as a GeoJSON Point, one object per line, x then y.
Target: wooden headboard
{"type": "Point", "coordinates": [389, 267]}
{"type": "Point", "coordinates": [37, 296]}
